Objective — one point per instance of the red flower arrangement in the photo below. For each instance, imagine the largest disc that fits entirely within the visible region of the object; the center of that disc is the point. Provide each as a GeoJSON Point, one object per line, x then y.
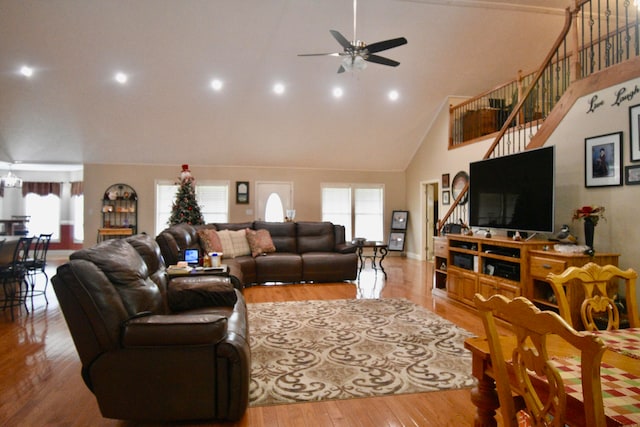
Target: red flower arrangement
{"type": "Point", "coordinates": [590, 213]}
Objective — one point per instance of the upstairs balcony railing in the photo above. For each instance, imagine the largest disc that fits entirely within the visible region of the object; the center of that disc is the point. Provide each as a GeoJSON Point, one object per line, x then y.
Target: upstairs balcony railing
{"type": "Point", "coordinates": [597, 34]}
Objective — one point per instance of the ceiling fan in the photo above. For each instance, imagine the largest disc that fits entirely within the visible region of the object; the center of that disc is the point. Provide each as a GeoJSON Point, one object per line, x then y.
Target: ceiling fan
{"type": "Point", "coordinates": [356, 52]}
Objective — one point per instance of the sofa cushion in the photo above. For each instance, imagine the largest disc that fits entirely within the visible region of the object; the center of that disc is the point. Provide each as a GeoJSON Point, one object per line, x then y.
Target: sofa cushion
{"type": "Point", "coordinates": [315, 237]}
{"type": "Point", "coordinates": [283, 234]}
{"type": "Point", "coordinates": [329, 267]}
{"type": "Point", "coordinates": [209, 240]}
{"type": "Point", "coordinates": [279, 267]}
{"type": "Point", "coordinates": [260, 242]}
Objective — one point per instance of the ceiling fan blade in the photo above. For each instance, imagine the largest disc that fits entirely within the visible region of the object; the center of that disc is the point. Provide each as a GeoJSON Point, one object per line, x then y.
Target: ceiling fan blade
{"type": "Point", "coordinates": [341, 39]}
{"type": "Point", "coordinates": [382, 60]}
{"type": "Point", "coordinates": [387, 44]}
{"type": "Point", "coordinates": [319, 54]}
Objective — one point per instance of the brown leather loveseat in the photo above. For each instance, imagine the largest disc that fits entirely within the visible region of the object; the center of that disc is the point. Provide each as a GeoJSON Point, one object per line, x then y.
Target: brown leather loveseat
{"type": "Point", "coordinates": [304, 252]}
{"type": "Point", "coordinates": [143, 359]}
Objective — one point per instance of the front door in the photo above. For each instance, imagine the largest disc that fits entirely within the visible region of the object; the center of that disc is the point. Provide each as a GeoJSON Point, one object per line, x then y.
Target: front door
{"type": "Point", "coordinates": [274, 199]}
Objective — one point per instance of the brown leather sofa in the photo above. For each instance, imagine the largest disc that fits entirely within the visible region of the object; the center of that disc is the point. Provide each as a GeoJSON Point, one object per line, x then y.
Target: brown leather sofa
{"type": "Point", "coordinates": [305, 252]}
{"type": "Point", "coordinates": [143, 359]}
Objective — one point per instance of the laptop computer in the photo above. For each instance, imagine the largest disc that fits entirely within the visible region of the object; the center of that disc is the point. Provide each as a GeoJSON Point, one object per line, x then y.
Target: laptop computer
{"type": "Point", "coordinates": [192, 256]}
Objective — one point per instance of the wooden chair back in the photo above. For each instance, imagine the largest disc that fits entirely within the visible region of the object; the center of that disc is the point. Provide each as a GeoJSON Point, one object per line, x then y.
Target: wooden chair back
{"type": "Point", "coordinates": [531, 328]}
{"type": "Point", "coordinates": [597, 303]}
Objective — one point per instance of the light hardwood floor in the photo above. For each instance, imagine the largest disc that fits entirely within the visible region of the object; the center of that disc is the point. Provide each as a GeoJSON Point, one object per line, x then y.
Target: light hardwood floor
{"type": "Point", "coordinates": [40, 380]}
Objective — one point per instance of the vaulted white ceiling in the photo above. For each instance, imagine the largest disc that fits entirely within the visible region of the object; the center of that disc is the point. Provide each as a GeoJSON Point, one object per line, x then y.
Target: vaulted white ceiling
{"type": "Point", "coordinates": [72, 111]}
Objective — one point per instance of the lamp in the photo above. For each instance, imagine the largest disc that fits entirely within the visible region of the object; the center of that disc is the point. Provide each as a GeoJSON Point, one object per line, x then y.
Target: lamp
{"type": "Point", "coordinates": [11, 181]}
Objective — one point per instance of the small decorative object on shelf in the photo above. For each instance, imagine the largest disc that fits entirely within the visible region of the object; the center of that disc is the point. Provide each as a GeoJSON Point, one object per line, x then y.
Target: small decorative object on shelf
{"type": "Point", "coordinates": [590, 215]}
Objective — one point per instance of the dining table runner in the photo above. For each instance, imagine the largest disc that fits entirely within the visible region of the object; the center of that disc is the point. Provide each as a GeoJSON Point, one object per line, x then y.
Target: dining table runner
{"type": "Point", "coordinates": [623, 341]}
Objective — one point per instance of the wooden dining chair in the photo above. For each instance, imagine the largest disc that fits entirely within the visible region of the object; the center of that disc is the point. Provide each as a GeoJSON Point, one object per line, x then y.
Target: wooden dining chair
{"type": "Point", "coordinates": [531, 328]}
{"type": "Point", "coordinates": [597, 306]}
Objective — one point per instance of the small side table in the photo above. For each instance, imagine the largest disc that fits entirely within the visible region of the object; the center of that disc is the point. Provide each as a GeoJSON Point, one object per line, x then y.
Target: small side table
{"type": "Point", "coordinates": [380, 250]}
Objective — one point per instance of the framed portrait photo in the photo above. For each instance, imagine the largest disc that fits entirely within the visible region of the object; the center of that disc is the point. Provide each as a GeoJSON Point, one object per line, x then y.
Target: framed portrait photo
{"type": "Point", "coordinates": [603, 160]}
{"type": "Point", "coordinates": [399, 220]}
{"type": "Point", "coordinates": [446, 197]}
{"type": "Point", "coordinates": [242, 192]}
{"type": "Point", "coordinates": [632, 175]}
{"type": "Point", "coordinates": [396, 241]}
{"type": "Point", "coordinates": [445, 180]}
{"type": "Point", "coordinates": [634, 132]}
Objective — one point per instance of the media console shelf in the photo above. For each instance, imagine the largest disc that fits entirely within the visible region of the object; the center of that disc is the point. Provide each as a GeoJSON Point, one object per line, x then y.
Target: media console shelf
{"type": "Point", "coordinates": [488, 266]}
{"type": "Point", "coordinates": [542, 263]}
{"type": "Point", "coordinates": [466, 265]}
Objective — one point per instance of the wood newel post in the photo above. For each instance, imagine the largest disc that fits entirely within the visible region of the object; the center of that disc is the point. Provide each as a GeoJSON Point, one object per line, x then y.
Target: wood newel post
{"type": "Point", "coordinates": [575, 72]}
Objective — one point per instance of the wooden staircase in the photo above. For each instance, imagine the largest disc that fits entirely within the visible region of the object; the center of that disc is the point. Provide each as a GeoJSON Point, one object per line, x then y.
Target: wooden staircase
{"type": "Point", "coordinates": [598, 47]}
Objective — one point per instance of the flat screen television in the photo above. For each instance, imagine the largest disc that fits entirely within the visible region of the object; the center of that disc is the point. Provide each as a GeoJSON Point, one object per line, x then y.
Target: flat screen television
{"type": "Point", "coordinates": [514, 192]}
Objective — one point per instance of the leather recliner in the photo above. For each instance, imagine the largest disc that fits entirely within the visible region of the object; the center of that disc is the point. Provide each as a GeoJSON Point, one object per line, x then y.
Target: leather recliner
{"type": "Point", "coordinates": [141, 359]}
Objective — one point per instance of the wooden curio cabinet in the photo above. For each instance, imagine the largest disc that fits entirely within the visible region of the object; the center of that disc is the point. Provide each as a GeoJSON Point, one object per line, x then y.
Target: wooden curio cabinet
{"type": "Point", "coordinates": [120, 208]}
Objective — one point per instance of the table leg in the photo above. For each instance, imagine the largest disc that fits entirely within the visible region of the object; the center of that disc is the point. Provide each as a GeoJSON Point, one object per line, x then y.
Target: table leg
{"type": "Point", "coordinates": [383, 253]}
{"type": "Point", "coordinates": [361, 260]}
{"type": "Point", "coordinates": [485, 399]}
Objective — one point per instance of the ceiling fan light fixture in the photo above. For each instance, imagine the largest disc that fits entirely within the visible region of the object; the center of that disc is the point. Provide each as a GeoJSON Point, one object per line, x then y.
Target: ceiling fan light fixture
{"type": "Point", "coordinates": [354, 63]}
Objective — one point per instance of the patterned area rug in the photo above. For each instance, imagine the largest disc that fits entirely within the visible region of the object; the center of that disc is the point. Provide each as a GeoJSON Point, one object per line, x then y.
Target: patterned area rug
{"type": "Point", "coordinates": [341, 349]}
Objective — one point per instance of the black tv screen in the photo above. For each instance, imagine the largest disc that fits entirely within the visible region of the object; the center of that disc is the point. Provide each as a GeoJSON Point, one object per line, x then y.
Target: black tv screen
{"type": "Point", "coordinates": [514, 192]}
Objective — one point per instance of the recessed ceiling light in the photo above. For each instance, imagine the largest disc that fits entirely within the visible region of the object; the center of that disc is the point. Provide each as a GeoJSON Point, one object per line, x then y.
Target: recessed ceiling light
{"type": "Point", "coordinates": [394, 95]}
{"type": "Point", "coordinates": [216, 84]}
{"type": "Point", "coordinates": [278, 88]}
{"type": "Point", "coordinates": [337, 92]}
{"type": "Point", "coordinates": [121, 77]}
{"type": "Point", "coordinates": [26, 71]}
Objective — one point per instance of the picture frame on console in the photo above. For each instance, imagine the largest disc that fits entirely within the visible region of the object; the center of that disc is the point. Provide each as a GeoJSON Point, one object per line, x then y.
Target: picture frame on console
{"type": "Point", "coordinates": [396, 241]}
{"type": "Point", "coordinates": [242, 192]}
{"type": "Point", "coordinates": [603, 160]}
{"type": "Point", "coordinates": [634, 132]}
{"type": "Point", "coordinates": [399, 220]}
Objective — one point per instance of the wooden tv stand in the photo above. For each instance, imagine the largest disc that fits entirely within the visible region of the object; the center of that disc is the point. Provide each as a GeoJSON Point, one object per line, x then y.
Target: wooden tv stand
{"type": "Point", "coordinates": [466, 265]}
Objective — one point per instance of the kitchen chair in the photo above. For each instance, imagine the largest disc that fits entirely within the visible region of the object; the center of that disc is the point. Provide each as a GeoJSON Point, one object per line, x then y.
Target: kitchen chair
{"type": "Point", "coordinates": [37, 264]}
{"type": "Point", "coordinates": [597, 308]}
{"type": "Point", "coordinates": [530, 357]}
{"type": "Point", "coordinates": [13, 275]}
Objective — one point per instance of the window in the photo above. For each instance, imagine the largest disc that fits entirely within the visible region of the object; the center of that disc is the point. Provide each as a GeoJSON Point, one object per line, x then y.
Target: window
{"type": "Point", "coordinates": [45, 215]}
{"type": "Point", "coordinates": [357, 207]}
{"type": "Point", "coordinates": [213, 199]}
{"type": "Point", "coordinates": [77, 206]}
{"type": "Point", "coordinates": [274, 211]}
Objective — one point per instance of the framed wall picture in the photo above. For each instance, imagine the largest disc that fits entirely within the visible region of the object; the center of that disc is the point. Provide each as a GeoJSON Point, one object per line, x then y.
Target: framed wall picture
{"type": "Point", "coordinates": [445, 180]}
{"type": "Point", "coordinates": [603, 160]}
{"type": "Point", "coordinates": [634, 132]}
{"type": "Point", "coordinates": [399, 220]}
{"type": "Point", "coordinates": [396, 241]}
{"type": "Point", "coordinates": [632, 175]}
{"type": "Point", "coordinates": [242, 192]}
{"type": "Point", "coordinates": [445, 198]}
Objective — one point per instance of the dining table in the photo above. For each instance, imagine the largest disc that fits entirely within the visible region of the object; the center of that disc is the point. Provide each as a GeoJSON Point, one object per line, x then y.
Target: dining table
{"type": "Point", "coordinates": [620, 368]}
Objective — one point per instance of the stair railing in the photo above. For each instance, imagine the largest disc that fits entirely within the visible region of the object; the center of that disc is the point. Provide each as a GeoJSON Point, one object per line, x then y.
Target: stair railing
{"type": "Point", "coordinates": [604, 33]}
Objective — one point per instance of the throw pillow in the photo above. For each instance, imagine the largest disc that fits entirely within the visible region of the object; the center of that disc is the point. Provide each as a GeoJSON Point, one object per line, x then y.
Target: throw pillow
{"type": "Point", "coordinates": [240, 244]}
{"type": "Point", "coordinates": [260, 242]}
{"type": "Point", "coordinates": [209, 240]}
{"type": "Point", "coordinates": [227, 244]}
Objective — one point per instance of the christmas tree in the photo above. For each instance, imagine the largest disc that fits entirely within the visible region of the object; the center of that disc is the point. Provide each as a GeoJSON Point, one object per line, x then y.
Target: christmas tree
{"type": "Point", "coordinates": [186, 208]}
